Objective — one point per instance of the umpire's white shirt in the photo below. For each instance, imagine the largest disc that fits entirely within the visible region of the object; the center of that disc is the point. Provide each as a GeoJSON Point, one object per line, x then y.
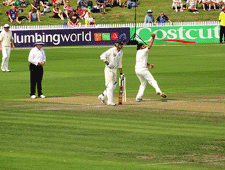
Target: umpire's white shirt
{"type": "Point", "coordinates": [5, 38]}
{"type": "Point", "coordinates": [113, 57]}
{"type": "Point", "coordinates": [142, 58]}
{"type": "Point", "coordinates": [36, 56]}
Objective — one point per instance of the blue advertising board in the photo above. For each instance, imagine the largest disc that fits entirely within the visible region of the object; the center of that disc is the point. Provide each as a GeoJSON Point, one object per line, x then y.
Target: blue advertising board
{"type": "Point", "coordinates": [71, 37]}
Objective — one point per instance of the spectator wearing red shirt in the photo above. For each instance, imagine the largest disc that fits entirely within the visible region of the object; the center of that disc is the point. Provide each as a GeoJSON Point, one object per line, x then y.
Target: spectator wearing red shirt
{"type": "Point", "coordinates": [81, 12]}
{"type": "Point", "coordinates": [59, 2]}
{"type": "Point", "coordinates": [67, 8]}
{"type": "Point", "coordinates": [13, 15]}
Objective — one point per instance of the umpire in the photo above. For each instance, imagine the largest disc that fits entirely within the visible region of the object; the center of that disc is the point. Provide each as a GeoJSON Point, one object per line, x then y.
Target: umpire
{"type": "Point", "coordinates": [37, 60]}
{"type": "Point", "coordinates": [222, 25]}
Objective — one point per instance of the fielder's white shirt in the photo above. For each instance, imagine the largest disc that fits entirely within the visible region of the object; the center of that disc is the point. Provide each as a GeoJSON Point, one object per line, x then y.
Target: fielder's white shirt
{"type": "Point", "coordinates": [5, 38]}
{"type": "Point", "coordinates": [113, 57]}
{"type": "Point", "coordinates": [36, 56]}
{"type": "Point", "coordinates": [142, 58]}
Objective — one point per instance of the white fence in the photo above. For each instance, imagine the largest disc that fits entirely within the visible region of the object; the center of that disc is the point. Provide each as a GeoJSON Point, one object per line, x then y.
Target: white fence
{"type": "Point", "coordinates": [44, 27]}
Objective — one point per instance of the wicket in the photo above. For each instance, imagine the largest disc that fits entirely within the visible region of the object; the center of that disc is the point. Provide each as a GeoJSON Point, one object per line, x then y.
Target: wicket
{"type": "Point", "coordinates": [122, 92]}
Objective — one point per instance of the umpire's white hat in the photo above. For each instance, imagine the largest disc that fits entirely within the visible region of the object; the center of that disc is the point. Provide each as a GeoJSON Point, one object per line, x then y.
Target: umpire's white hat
{"type": "Point", "coordinates": [39, 42]}
{"type": "Point", "coordinates": [6, 26]}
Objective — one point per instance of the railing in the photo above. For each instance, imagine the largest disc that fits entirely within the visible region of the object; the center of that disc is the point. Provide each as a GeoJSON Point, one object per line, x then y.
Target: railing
{"type": "Point", "coordinates": [44, 27]}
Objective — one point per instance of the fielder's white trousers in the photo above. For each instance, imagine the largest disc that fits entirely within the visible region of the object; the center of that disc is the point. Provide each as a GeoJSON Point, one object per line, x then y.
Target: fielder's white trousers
{"type": "Point", "coordinates": [5, 57]}
{"type": "Point", "coordinates": [110, 83]}
{"type": "Point", "coordinates": [144, 75]}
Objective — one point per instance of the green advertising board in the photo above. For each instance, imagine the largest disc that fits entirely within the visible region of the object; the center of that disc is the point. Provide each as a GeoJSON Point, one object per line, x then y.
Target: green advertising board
{"type": "Point", "coordinates": [178, 34]}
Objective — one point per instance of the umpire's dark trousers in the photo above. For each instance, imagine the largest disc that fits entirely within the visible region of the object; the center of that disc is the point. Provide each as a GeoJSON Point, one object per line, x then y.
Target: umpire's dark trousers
{"type": "Point", "coordinates": [36, 74]}
{"type": "Point", "coordinates": [222, 33]}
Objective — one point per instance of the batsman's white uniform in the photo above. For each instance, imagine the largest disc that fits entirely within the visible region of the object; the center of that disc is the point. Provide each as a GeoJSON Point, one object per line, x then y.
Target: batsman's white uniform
{"type": "Point", "coordinates": [114, 58]}
{"type": "Point", "coordinates": [143, 73]}
{"type": "Point", "coordinates": [5, 38]}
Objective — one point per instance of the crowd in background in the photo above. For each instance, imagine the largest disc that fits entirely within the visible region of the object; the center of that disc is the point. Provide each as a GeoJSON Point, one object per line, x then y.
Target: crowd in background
{"type": "Point", "coordinates": [84, 9]}
{"type": "Point", "coordinates": [193, 5]}
{"type": "Point", "coordinates": [73, 15]}
{"type": "Point", "coordinates": [189, 5]}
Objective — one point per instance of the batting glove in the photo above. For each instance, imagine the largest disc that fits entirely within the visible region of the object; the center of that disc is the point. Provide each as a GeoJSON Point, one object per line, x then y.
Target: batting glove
{"type": "Point", "coordinates": [121, 76]}
{"type": "Point", "coordinates": [110, 66]}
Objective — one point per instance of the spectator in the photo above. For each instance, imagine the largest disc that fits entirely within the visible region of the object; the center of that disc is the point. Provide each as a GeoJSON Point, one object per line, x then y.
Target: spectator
{"type": "Point", "coordinates": [117, 3]}
{"type": "Point", "coordinates": [192, 6]}
{"type": "Point", "coordinates": [14, 15]}
{"type": "Point", "coordinates": [162, 19]}
{"type": "Point", "coordinates": [130, 3]}
{"type": "Point", "coordinates": [101, 4]}
{"type": "Point", "coordinates": [67, 8]}
{"type": "Point", "coordinates": [81, 12]}
{"type": "Point", "coordinates": [57, 13]}
{"type": "Point", "coordinates": [59, 2]}
{"type": "Point", "coordinates": [90, 20]}
{"type": "Point", "coordinates": [23, 3]}
{"type": "Point", "coordinates": [177, 4]}
{"type": "Point", "coordinates": [35, 8]}
{"type": "Point", "coordinates": [82, 3]}
{"type": "Point", "coordinates": [204, 4]}
{"type": "Point", "coordinates": [113, 3]}
{"type": "Point", "coordinates": [149, 18]}
{"type": "Point", "coordinates": [217, 3]}
{"type": "Point", "coordinates": [73, 18]}
{"type": "Point", "coordinates": [8, 2]}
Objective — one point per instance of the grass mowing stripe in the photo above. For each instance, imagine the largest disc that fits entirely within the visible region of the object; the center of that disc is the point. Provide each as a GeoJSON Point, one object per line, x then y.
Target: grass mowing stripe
{"type": "Point", "coordinates": [150, 129]}
{"type": "Point", "coordinates": [133, 137]}
{"type": "Point", "coordinates": [140, 126]}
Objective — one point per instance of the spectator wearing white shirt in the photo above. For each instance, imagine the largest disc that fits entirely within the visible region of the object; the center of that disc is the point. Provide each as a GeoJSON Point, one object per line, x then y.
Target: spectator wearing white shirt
{"type": "Point", "coordinates": [177, 4]}
{"type": "Point", "coordinates": [149, 19]}
{"type": "Point", "coordinates": [6, 40]}
{"type": "Point", "coordinates": [192, 6]}
{"type": "Point", "coordinates": [37, 59]}
{"type": "Point", "coordinates": [90, 20]}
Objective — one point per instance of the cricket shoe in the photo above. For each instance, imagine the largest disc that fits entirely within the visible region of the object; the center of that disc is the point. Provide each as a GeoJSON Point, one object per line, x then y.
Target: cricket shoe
{"type": "Point", "coordinates": [139, 100]}
{"type": "Point", "coordinates": [33, 97]}
{"type": "Point", "coordinates": [111, 104]}
{"type": "Point", "coordinates": [3, 70]}
{"type": "Point", "coordinates": [163, 95]}
{"type": "Point", "coordinates": [8, 70]}
{"type": "Point", "coordinates": [42, 96]}
{"type": "Point", "coordinates": [101, 98]}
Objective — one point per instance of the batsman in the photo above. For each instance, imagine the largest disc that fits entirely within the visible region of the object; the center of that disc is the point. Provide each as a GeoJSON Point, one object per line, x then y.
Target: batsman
{"type": "Point", "coordinates": [113, 60]}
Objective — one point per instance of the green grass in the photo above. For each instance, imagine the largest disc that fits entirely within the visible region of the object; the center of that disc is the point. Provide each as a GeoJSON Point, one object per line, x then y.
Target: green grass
{"type": "Point", "coordinates": [184, 69]}
{"type": "Point", "coordinates": [36, 137]}
{"type": "Point", "coordinates": [125, 139]}
{"type": "Point", "coordinates": [124, 15]}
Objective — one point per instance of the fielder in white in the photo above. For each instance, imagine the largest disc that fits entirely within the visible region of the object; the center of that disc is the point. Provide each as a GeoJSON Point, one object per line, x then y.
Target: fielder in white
{"type": "Point", "coordinates": [5, 46]}
{"type": "Point", "coordinates": [113, 60]}
{"type": "Point", "coordinates": [142, 72]}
